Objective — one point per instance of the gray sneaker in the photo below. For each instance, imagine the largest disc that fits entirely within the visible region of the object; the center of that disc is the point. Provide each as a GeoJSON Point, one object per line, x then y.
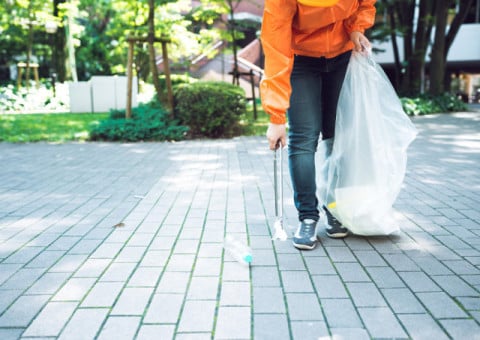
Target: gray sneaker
{"type": "Point", "coordinates": [334, 228]}
{"type": "Point", "coordinates": [305, 237]}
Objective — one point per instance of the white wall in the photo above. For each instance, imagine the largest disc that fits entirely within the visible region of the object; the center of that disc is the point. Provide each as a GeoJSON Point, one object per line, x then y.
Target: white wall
{"type": "Point", "coordinates": [465, 47]}
{"type": "Point", "coordinates": [101, 94]}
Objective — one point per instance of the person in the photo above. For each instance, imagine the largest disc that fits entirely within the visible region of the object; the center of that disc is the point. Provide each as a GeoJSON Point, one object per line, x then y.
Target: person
{"type": "Point", "coordinates": [307, 46]}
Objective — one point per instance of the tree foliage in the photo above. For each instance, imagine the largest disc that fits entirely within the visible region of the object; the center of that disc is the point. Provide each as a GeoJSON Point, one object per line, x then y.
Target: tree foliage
{"type": "Point", "coordinates": [100, 29]}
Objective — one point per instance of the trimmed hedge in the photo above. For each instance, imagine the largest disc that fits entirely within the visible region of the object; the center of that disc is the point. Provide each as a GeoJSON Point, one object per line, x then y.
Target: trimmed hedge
{"type": "Point", "coordinates": [210, 108]}
{"type": "Point", "coordinates": [149, 122]}
{"type": "Point", "coordinates": [426, 104]}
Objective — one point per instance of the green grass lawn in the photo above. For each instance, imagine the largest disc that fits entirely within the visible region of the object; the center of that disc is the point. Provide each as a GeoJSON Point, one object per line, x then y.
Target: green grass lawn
{"type": "Point", "coordinates": [63, 127]}
{"type": "Point", "coordinates": [255, 127]}
{"type": "Point", "coordinates": [58, 127]}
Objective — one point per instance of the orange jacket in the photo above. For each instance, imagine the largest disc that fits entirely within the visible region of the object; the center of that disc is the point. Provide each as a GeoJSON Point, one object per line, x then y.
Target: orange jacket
{"type": "Point", "coordinates": [290, 28]}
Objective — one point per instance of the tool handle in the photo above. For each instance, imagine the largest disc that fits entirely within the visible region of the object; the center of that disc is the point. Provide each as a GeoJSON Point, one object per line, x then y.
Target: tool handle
{"type": "Point", "coordinates": [278, 183]}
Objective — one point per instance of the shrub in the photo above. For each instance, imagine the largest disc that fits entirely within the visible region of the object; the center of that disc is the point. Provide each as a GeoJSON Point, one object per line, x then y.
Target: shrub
{"type": "Point", "coordinates": [210, 109]}
{"type": "Point", "coordinates": [426, 104]}
{"type": "Point", "coordinates": [149, 122]}
{"type": "Point", "coordinates": [176, 80]}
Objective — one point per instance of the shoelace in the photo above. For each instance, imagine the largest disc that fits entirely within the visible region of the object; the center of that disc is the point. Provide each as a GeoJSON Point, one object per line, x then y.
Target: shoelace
{"type": "Point", "coordinates": [332, 220]}
{"type": "Point", "coordinates": [306, 229]}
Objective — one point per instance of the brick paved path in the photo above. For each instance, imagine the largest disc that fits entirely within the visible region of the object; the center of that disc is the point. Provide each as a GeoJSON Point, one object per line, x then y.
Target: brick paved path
{"type": "Point", "coordinates": [67, 272]}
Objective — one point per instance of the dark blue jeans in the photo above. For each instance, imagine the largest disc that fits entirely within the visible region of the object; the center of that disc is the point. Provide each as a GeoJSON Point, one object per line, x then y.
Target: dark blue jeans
{"type": "Point", "coordinates": [316, 85]}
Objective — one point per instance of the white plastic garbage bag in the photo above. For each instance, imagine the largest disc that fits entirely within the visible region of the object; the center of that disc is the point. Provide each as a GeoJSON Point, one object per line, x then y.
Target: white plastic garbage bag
{"type": "Point", "coordinates": [368, 162]}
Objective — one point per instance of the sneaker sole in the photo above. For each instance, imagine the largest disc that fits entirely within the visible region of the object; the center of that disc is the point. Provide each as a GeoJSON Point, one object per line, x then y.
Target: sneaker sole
{"type": "Point", "coordinates": [338, 235]}
{"type": "Point", "coordinates": [304, 246]}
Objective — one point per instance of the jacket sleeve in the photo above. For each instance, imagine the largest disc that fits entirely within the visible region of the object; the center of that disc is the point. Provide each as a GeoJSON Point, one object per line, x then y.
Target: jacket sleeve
{"type": "Point", "coordinates": [276, 37]}
{"type": "Point", "coordinates": [363, 18]}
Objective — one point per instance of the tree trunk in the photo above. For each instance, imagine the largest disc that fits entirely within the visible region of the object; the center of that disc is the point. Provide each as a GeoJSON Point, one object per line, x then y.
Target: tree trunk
{"type": "Point", "coordinates": [437, 60]}
{"type": "Point", "coordinates": [231, 29]}
{"type": "Point", "coordinates": [406, 10]}
{"type": "Point", "coordinates": [452, 32]}
{"type": "Point", "coordinates": [59, 43]}
{"type": "Point", "coordinates": [393, 38]}
{"type": "Point", "coordinates": [422, 37]}
{"type": "Point", "coordinates": [151, 48]}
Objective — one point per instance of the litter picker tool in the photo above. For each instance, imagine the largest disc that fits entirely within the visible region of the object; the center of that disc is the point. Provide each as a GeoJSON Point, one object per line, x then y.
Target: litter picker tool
{"type": "Point", "coordinates": [279, 230]}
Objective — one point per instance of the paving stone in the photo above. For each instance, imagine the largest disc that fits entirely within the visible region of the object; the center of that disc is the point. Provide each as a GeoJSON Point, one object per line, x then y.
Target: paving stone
{"type": "Point", "coordinates": [427, 277]}
{"type": "Point", "coordinates": [349, 333]}
{"type": "Point", "coordinates": [388, 327]}
{"type": "Point", "coordinates": [8, 270]}
{"type": "Point", "coordinates": [85, 246]}
{"type": "Point", "coordinates": [462, 268]}
{"type": "Point", "coordinates": [46, 259]}
{"type": "Point", "coordinates": [93, 268]}
{"type": "Point", "coordinates": [419, 282]}
{"type": "Point", "coordinates": [233, 323]}
{"type": "Point", "coordinates": [296, 282]}
{"type": "Point", "coordinates": [422, 326]}
{"type": "Point", "coordinates": [402, 301]}
{"type": "Point", "coordinates": [462, 328]}
{"type": "Point", "coordinates": [11, 333]}
{"type": "Point", "coordinates": [203, 288]}
{"type": "Point", "coordinates": [470, 303]}
{"type": "Point", "coordinates": [264, 257]}
{"type": "Point", "coordinates": [23, 310]}
{"type": "Point", "coordinates": [107, 251]}
{"type": "Point", "coordinates": [132, 301]}
{"type": "Point", "coordinates": [319, 265]}
{"type": "Point", "coordinates": [340, 313]}
{"type": "Point", "coordinates": [235, 294]}
{"type": "Point", "coordinates": [197, 316]}
{"type": "Point", "coordinates": [233, 271]}
{"type": "Point", "coordinates": [208, 266]}
{"type": "Point", "coordinates": [432, 266]}
{"type": "Point", "coordinates": [48, 283]}
{"type": "Point", "coordinates": [155, 258]}
{"type": "Point", "coordinates": [329, 286]}
{"type": "Point", "coordinates": [271, 326]}
{"type": "Point", "coordinates": [145, 277]}
{"type": "Point", "coordinates": [181, 263]}
{"type": "Point", "coordinates": [304, 307]}
{"type": "Point", "coordinates": [309, 330]}
{"type": "Point", "coordinates": [173, 282]}
{"type": "Point", "coordinates": [119, 327]}
{"type": "Point", "coordinates": [51, 319]}
{"type": "Point", "coordinates": [441, 305]}
{"type": "Point", "coordinates": [352, 272]}
{"type": "Point", "coordinates": [23, 279]}
{"type": "Point", "coordinates": [23, 255]}
{"type": "Point", "coordinates": [74, 289]}
{"type": "Point", "coordinates": [365, 294]}
{"type": "Point", "coordinates": [454, 286]}
{"type": "Point", "coordinates": [69, 263]}
{"type": "Point", "coordinates": [401, 262]}
{"type": "Point", "coordinates": [385, 277]}
{"type": "Point", "coordinates": [265, 276]}
{"type": "Point", "coordinates": [164, 309]}
{"type": "Point", "coordinates": [268, 300]}
{"type": "Point", "coordinates": [369, 258]}
{"type": "Point", "coordinates": [103, 294]}
{"type": "Point", "coordinates": [153, 332]}
{"type": "Point", "coordinates": [84, 324]}
{"type": "Point", "coordinates": [118, 272]}
{"type": "Point", "coordinates": [340, 254]}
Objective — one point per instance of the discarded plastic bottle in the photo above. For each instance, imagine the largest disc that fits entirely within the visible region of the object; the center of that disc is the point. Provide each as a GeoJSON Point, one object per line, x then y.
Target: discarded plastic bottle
{"type": "Point", "coordinates": [239, 251]}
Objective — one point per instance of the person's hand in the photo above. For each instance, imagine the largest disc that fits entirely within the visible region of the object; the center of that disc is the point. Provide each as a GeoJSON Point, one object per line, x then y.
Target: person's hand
{"type": "Point", "coordinates": [360, 41]}
{"type": "Point", "coordinates": [276, 134]}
